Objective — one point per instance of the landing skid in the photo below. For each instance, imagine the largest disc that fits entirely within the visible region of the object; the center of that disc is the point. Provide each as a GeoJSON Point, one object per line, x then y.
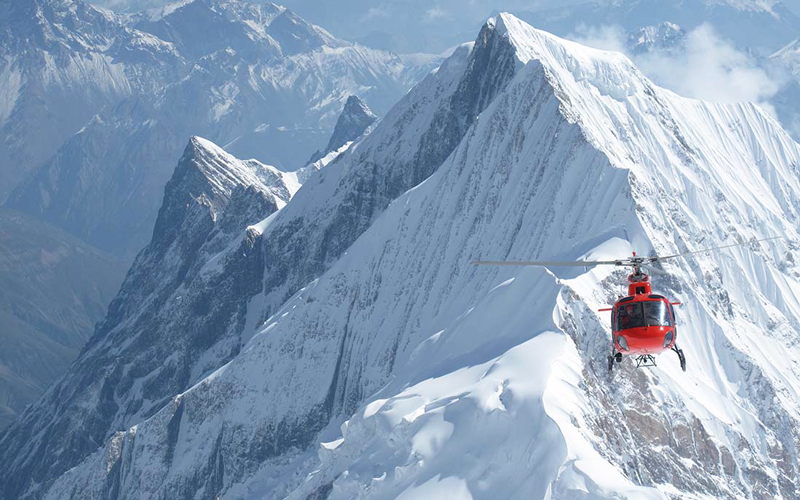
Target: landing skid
{"type": "Point", "coordinates": [650, 360]}
{"type": "Point", "coordinates": [614, 357]}
{"type": "Point", "coordinates": [645, 360]}
{"type": "Point", "coordinates": [681, 357]}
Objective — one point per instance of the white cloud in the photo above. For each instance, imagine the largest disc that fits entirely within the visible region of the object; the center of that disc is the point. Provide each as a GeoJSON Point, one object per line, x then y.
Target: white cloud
{"type": "Point", "coordinates": [600, 37]}
{"type": "Point", "coordinates": [434, 14]}
{"type": "Point", "coordinates": [711, 69]}
{"type": "Point", "coordinates": [374, 13]}
{"type": "Point", "coordinates": [708, 67]}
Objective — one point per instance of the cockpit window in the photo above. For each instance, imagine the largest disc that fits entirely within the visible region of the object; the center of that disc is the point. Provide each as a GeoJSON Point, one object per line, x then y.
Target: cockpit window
{"type": "Point", "coordinates": [641, 314]}
{"type": "Point", "coordinates": [656, 314]}
{"type": "Point", "coordinates": [630, 316]}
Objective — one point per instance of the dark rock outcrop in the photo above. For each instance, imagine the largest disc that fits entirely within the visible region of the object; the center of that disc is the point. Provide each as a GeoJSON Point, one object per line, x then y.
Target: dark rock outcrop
{"type": "Point", "coordinates": [179, 314]}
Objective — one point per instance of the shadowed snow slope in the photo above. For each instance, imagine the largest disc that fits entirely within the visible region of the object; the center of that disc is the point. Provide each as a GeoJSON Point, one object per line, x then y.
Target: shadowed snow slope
{"type": "Point", "coordinates": [385, 365]}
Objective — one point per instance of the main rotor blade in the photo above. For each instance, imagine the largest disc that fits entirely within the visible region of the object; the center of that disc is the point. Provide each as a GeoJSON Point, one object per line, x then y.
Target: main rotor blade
{"type": "Point", "coordinates": [545, 263]}
{"type": "Point", "coordinates": [657, 258]}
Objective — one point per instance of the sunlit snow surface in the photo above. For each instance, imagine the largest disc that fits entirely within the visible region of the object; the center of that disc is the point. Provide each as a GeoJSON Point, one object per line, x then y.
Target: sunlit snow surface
{"type": "Point", "coordinates": [455, 381]}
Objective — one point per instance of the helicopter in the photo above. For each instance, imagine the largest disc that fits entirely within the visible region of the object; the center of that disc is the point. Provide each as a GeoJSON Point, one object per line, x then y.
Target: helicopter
{"type": "Point", "coordinates": [642, 323]}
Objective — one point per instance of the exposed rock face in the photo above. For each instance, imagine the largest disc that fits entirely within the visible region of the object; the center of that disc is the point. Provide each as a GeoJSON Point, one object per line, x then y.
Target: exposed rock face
{"type": "Point", "coordinates": [170, 324]}
{"type": "Point", "coordinates": [353, 121]}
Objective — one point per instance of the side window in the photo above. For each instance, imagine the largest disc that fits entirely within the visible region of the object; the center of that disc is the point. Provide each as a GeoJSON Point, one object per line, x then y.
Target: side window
{"type": "Point", "coordinates": [614, 318]}
{"type": "Point", "coordinates": [672, 313]}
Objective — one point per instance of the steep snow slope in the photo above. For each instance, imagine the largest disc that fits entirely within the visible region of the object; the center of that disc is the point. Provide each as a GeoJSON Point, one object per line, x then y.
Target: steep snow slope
{"type": "Point", "coordinates": [418, 134]}
{"type": "Point", "coordinates": [403, 370]}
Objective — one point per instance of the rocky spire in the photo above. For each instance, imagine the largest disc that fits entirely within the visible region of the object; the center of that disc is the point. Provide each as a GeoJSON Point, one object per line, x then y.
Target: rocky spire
{"type": "Point", "coordinates": [353, 121]}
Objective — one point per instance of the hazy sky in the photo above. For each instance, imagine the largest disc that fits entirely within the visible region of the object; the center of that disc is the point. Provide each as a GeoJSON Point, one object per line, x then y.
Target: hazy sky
{"type": "Point", "coordinates": [420, 25]}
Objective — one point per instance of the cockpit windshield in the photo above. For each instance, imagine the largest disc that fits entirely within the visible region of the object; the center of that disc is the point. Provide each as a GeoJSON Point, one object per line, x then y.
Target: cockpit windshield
{"type": "Point", "coordinates": [639, 314]}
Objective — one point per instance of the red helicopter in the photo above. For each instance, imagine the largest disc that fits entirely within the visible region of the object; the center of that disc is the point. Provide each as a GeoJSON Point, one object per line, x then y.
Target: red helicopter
{"type": "Point", "coordinates": [642, 323]}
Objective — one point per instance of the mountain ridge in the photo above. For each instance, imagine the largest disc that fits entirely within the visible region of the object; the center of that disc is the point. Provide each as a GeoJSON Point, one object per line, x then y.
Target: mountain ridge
{"type": "Point", "coordinates": [240, 89]}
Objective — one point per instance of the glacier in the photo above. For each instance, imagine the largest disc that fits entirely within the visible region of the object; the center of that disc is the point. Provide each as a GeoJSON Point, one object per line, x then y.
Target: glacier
{"type": "Point", "coordinates": [370, 359]}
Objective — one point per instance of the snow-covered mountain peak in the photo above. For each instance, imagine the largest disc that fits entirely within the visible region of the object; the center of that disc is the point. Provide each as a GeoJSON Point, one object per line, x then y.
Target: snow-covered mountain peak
{"type": "Point", "coordinates": [354, 106]}
{"type": "Point", "coordinates": [204, 183]}
{"type": "Point", "coordinates": [295, 34]}
{"type": "Point", "coordinates": [200, 247]}
{"type": "Point", "coordinates": [220, 167]}
{"type": "Point", "coordinates": [613, 103]}
{"type": "Point", "coordinates": [226, 173]}
{"type": "Point", "coordinates": [53, 24]}
{"type": "Point", "coordinates": [659, 36]}
{"type": "Point", "coordinates": [206, 67]}
{"type": "Point", "coordinates": [611, 73]}
{"type": "Point", "coordinates": [207, 25]}
{"type": "Point", "coordinates": [611, 100]}
{"type": "Point", "coordinates": [353, 121]}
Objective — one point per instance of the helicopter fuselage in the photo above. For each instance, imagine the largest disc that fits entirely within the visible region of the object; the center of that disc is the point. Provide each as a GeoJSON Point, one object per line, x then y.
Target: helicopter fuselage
{"type": "Point", "coordinates": [643, 322]}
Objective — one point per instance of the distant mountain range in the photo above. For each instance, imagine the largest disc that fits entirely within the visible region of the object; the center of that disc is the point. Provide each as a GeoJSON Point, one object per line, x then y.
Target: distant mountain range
{"type": "Point", "coordinates": [417, 26]}
{"type": "Point", "coordinates": [113, 99]}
